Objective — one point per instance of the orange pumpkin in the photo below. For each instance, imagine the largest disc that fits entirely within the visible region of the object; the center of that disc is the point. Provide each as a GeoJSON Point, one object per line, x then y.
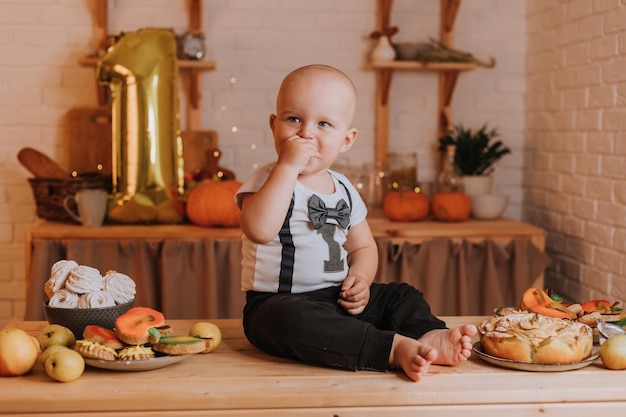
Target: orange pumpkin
{"type": "Point", "coordinates": [212, 203]}
{"type": "Point", "coordinates": [405, 206]}
{"type": "Point", "coordinates": [452, 206]}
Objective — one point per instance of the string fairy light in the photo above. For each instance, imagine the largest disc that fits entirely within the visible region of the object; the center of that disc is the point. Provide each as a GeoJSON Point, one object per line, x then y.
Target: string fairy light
{"type": "Point", "coordinates": [234, 129]}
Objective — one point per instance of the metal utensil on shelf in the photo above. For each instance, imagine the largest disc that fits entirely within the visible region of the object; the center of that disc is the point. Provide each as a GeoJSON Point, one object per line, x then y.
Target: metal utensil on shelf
{"type": "Point", "coordinates": [607, 330]}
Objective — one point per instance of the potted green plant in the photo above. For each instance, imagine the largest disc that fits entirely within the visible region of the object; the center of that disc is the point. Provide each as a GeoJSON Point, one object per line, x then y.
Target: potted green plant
{"type": "Point", "coordinates": [475, 155]}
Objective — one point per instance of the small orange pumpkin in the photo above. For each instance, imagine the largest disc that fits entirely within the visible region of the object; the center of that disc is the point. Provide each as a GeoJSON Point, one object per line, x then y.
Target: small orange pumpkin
{"type": "Point", "coordinates": [212, 203]}
{"type": "Point", "coordinates": [405, 206]}
{"type": "Point", "coordinates": [452, 206]}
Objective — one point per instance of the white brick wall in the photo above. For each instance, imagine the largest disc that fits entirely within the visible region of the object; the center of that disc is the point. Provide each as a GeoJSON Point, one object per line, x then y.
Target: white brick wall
{"type": "Point", "coordinates": [258, 42]}
{"type": "Point", "coordinates": [575, 180]}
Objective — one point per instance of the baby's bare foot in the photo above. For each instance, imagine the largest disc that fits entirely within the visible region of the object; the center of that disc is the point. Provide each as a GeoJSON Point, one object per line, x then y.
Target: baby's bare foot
{"type": "Point", "coordinates": [412, 356]}
{"type": "Point", "coordinates": [453, 345]}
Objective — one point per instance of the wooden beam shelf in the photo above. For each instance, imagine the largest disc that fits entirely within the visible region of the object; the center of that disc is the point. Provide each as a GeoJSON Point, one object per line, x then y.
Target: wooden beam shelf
{"type": "Point", "coordinates": [189, 69]}
{"type": "Point", "coordinates": [92, 61]}
{"type": "Point", "coordinates": [448, 73]}
{"type": "Point", "coordinates": [424, 66]}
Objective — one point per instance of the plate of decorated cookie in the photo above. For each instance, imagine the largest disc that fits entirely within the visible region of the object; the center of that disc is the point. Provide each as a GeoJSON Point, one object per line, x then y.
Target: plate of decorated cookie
{"type": "Point", "coordinates": [136, 364]}
{"type": "Point", "coordinates": [140, 342]}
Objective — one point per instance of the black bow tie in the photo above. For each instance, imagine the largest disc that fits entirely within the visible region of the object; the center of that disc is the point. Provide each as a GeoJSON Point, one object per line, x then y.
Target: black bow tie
{"type": "Point", "coordinates": [319, 213]}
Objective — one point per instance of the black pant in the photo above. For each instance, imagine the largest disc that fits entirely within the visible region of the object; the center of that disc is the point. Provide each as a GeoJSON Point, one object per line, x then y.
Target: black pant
{"type": "Point", "coordinates": [314, 328]}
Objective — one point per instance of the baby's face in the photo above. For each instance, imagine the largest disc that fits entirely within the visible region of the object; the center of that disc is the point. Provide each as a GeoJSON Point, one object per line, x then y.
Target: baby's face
{"type": "Point", "coordinates": [320, 108]}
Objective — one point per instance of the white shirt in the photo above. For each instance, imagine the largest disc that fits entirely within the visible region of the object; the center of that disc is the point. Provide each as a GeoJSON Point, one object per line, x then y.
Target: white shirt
{"type": "Point", "coordinates": [300, 258]}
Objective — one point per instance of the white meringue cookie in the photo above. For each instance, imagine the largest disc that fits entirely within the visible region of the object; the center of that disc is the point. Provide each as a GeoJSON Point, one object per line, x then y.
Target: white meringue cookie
{"type": "Point", "coordinates": [84, 279]}
{"type": "Point", "coordinates": [59, 273]}
{"type": "Point", "coordinates": [96, 299]}
{"type": "Point", "coordinates": [64, 298]}
{"type": "Point", "coordinates": [120, 286]}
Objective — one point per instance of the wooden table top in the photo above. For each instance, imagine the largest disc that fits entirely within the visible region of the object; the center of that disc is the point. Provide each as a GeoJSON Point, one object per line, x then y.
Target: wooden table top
{"type": "Point", "coordinates": [237, 379]}
{"type": "Point", "coordinates": [499, 230]}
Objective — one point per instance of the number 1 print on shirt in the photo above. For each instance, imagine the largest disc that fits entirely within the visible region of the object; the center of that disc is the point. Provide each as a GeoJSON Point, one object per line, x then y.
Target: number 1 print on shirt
{"type": "Point", "coordinates": [334, 262]}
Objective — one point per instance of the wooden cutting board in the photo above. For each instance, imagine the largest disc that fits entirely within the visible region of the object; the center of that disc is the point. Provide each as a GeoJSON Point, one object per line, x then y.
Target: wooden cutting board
{"type": "Point", "coordinates": [88, 133]}
{"type": "Point", "coordinates": [88, 142]}
{"type": "Point", "coordinates": [195, 146]}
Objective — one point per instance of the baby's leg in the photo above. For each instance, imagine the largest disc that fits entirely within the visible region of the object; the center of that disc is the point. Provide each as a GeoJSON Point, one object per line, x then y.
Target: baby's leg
{"type": "Point", "coordinates": [452, 345]}
{"type": "Point", "coordinates": [412, 356]}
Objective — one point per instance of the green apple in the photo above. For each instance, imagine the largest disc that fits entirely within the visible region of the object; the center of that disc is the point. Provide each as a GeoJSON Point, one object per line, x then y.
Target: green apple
{"type": "Point", "coordinates": [613, 352]}
{"type": "Point", "coordinates": [66, 365]}
{"type": "Point", "coordinates": [209, 332]}
{"type": "Point", "coordinates": [36, 342]}
{"type": "Point", "coordinates": [18, 352]}
{"type": "Point", "coordinates": [51, 350]}
{"type": "Point", "coordinates": [55, 334]}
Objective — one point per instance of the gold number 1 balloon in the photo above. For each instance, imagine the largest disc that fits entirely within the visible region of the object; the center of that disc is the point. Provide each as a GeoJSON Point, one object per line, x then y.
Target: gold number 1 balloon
{"type": "Point", "coordinates": [142, 73]}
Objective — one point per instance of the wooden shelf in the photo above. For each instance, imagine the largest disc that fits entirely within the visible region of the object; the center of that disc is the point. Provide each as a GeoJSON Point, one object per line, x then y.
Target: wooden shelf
{"type": "Point", "coordinates": [448, 74]}
{"type": "Point", "coordinates": [501, 230]}
{"type": "Point", "coordinates": [92, 61]}
{"type": "Point", "coordinates": [188, 68]}
{"type": "Point", "coordinates": [420, 66]}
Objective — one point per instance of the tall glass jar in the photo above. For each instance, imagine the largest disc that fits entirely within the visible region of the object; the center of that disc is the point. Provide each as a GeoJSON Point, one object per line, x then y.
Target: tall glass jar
{"type": "Point", "coordinates": [449, 178]}
{"type": "Point", "coordinates": [401, 171]}
{"type": "Point", "coordinates": [375, 190]}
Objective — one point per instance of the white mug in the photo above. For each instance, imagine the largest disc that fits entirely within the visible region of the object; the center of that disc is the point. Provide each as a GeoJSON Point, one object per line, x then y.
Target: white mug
{"type": "Point", "coordinates": [91, 204]}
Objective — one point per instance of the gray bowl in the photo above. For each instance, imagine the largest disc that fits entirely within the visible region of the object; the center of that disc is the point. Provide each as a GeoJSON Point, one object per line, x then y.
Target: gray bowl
{"type": "Point", "coordinates": [410, 51]}
{"type": "Point", "coordinates": [76, 319]}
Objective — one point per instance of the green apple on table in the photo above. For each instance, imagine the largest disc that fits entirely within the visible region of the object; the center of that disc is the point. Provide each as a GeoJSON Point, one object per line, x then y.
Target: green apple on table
{"type": "Point", "coordinates": [66, 365]}
{"type": "Point", "coordinates": [55, 334]}
{"type": "Point", "coordinates": [613, 352]}
{"type": "Point", "coordinates": [36, 342]}
{"type": "Point", "coordinates": [209, 332]}
{"type": "Point", "coordinates": [51, 350]}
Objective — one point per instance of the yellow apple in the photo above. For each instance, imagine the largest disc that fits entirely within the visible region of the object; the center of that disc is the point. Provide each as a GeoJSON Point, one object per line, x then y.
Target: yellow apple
{"type": "Point", "coordinates": [613, 352]}
{"type": "Point", "coordinates": [66, 365]}
{"type": "Point", "coordinates": [36, 342]}
{"type": "Point", "coordinates": [18, 352]}
{"type": "Point", "coordinates": [50, 351]}
{"type": "Point", "coordinates": [209, 332]}
{"type": "Point", "coordinates": [55, 334]}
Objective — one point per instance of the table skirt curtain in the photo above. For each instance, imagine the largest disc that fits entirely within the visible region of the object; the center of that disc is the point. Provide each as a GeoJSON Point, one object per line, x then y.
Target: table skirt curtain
{"type": "Point", "coordinates": [200, 278]}
{"type": "Point", "coordinates": [184, 279]}
{"type": "Point", "coordinates": [463, 278]}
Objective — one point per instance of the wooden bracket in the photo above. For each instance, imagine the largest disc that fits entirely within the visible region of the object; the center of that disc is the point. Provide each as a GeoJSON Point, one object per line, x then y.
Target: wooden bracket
{"type": "Point", "coordinates": [384, 14]}
{"type": "Point", "coordinates": [195, 16]}
{"type": "Point", "coordinates": [384, 77]}
{"type": "Point", "coordinates": [447, 83]}
{"type": "Point", "coordinates": [449, 10]}
{"type": "Point", "coordinates": [194, 94]}
{"type": "Point", "coordinates": [101, 28]}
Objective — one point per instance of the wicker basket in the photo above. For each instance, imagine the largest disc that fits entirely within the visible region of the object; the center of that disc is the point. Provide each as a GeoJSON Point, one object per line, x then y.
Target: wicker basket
{"type": "Point", "coordinates": [49, 194]}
